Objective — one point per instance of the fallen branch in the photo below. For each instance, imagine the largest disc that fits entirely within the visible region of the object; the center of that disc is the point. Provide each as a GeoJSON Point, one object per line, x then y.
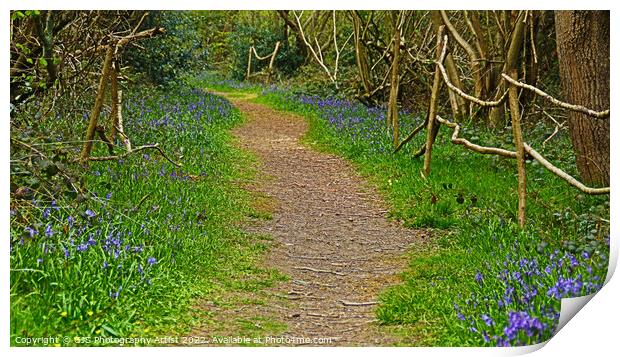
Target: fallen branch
{"type": "Point", "coordinates": [353, 303]}
{"type": "Point", "coordinates": [566, 177]}
{"type": "Point", "coordinates": [139, 148]}
{"type": "Point", "coordinates": [528, 149]}
{"type": "Point", "coordinates": [577, 108]}
{"type": "Point", "coordinates": [471, 146]}
{"type": "Point", "coordinates": [319, 270]}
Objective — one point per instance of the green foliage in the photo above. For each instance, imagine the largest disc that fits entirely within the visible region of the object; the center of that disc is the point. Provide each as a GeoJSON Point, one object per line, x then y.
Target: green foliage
{"type": "Point", "coordinates": [163, 58]}
{"type": "Point", "coordinates": [262, 32]}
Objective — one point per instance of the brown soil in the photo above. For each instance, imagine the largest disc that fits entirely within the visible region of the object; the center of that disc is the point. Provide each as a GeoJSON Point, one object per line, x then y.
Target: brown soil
{"type": "Point", "coordinates": [330, 236]}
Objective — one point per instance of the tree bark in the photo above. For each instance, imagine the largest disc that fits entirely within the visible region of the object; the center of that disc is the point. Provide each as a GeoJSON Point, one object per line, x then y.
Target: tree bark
{"type": "Point", "coordinates": [517, 136]}
{"type": "Point", "coordinates": [94, 115]}
{"type": "Point", "coordinates": [432, 128]}
{"type": "Point", "coordinates": [458, 105]}
{"type": "Point", "coordinates": [583, 52]}
{"type": "Point", "coordinates": [392, 115]}
{"type": "Point", "coordinates": [361, 56]}
{"type": "Point", "coordinates": [511, 62]}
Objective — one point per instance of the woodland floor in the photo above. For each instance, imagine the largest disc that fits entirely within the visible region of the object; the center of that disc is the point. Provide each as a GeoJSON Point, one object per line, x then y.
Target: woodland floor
{"type": "Point", "coordinates": [330, 235]}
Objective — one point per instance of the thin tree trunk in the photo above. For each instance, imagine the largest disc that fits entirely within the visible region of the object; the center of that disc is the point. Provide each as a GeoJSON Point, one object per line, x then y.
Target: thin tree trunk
{"type": "Point", "coordinates": [432, 128]}
{"type": "Point", "coordinates": [94, 115]}
{"type": "Point", "coordinates": [512, 60]}
{"type": "Point", "coordinates": [361, 56]}
{"type": "Point", "coordinates": [115, 101]}
{"type": "Point", "coordinates": [392, 115]}
{"type": "Point", "coordinates": [513, 98]}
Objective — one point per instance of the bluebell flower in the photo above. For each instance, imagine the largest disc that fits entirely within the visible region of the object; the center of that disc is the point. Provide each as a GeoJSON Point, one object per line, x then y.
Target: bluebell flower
{"type": "Point", "coordinates": [522, 321]}
{"type": "Point", "coordinates": [90, 213]}
{"type": "Point", "coordinates": [479, 277]}
{"type": "Point", "coordinates": [486, 319]}
{"type": "Point", "coordinates": [116, 294]}
{"type": "Point", "coordinates": [48, 230]}
{"type": "Point", "coordinates": [105, 264]}
{"type": "Point", "coordinates": [485, 336]}
{"type": "Point", "coordinates": [151, 261]}
{"type": "Point", "coordinates": [31, 231]}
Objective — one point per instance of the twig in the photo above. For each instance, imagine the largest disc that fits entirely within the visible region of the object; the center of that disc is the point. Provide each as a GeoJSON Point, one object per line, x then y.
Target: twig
{"type": "Point", "coordinates": [139, 148]}
{"type": "Point", "coordinates": [410, 136]}
{"type": "Point", "coordinates": [577, 108]}
{"type": "Point", "coordinates": [140, 203]}
{"type": "Point", "coordinates": [319, 270]}
{"type": "Point", "coordinates": [353, 303]}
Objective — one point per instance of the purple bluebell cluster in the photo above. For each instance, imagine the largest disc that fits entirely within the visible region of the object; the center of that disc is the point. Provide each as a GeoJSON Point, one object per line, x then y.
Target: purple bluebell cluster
{"type": "Point", "coordinates": [517, 300]}
{"type": "Point", "coordinates": [363, 125]}
{"type": "Point", "coordinates": [79, 242]}
{"type": "Point", "coordinates": [184, 113]}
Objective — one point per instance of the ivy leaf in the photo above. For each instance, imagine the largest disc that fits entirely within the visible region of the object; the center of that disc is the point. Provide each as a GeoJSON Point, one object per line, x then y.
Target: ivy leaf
{"type": "Point", "coordinates": [43, 62]}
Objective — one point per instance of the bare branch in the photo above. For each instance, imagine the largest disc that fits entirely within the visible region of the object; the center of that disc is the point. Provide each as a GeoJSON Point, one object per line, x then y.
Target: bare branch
{"type": "Point", "coordinates": [411, 136]}
{"type": "Point", "coordinates": [460, 40]}
{"type": "Point", "coordinates": [139, 148]}
{"type": "Point", "coordinates": [563, 175]}
{"type": "Point", "coordinates": [577, 108]}
{"type": "Point", "coordinates": [471, 146]}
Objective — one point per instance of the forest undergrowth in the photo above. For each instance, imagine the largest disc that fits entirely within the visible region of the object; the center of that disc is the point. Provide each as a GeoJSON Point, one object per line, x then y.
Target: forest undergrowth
{"type": "Point", "coordinates": [147, 238]}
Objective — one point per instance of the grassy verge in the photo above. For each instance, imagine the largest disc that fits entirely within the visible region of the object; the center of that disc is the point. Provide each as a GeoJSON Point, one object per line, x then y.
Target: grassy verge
{"type": "Point", "coordinates": [482, 281]}
{"type": "Point", "coordinates": [134, 255]}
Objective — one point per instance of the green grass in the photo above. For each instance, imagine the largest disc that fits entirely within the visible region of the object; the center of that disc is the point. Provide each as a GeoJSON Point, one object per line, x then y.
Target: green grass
{"type": "Point", "coordinates": [177, 229]}
{"type": "Point", "coordinates": [469, 203]}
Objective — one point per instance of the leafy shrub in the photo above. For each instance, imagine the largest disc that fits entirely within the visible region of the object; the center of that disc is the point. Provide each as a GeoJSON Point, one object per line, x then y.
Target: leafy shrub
{"type": "Point", "coordinates": [163, 58]}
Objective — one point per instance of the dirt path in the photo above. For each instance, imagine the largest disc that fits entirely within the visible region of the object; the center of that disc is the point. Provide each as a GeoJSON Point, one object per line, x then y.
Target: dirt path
{"type": "Point", "coordinates": [330, 236]}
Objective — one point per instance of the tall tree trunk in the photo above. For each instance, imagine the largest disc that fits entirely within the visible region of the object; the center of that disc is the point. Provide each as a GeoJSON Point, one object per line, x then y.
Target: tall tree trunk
{"type": "Point", "coordinates": [583, 51]}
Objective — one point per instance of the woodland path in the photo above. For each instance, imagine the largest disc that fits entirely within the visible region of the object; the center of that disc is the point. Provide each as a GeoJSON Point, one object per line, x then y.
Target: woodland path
{"type": "Point", "coordinates": [330, 236]}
